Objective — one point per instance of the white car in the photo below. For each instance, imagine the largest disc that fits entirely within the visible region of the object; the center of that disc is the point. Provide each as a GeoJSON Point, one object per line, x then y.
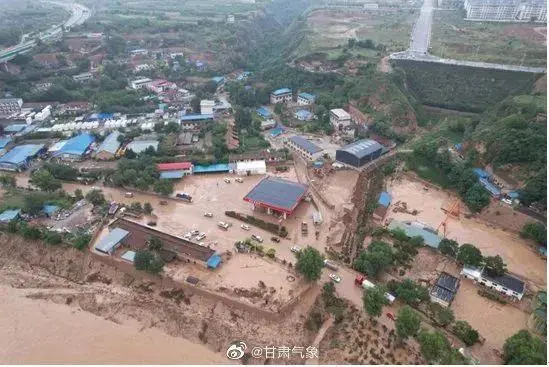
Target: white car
{"type": "Point", "coordinates": [188, 236]}
{"type": "Point", "coordinates": [245, 227]}
{"type": "Point", "coordinates": [295, 249]}
{"type": "Point", "coordinates": [257, 238]}
{"type": "Point", "coordinates": [507, 201]}
{"type": "Point", "coordinates": [227, 180]}
{"type": "Point", "coordinates": [195, 232]}
{"type": "Point", "coordinates": [201, 236]}
{"type": "Point", "coordinates": [208, 215]}
{"type": "Point", "coordinates": [336, 278]}
{"type": "Point", "coordinates": [239, 180]}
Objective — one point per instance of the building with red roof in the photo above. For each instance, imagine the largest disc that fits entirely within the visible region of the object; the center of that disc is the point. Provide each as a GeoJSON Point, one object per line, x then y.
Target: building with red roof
{"type": "Point", "coordinates": [174, 170]}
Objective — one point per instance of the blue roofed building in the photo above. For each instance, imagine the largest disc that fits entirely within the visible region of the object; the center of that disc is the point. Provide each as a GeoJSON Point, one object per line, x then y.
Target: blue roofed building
{"type": "Point", "coordinates": [20, 157]}
{"type": "Point", "coordinates": [110, 242]}
{"type": "Point", "coordinates": [50, 210]}
{"type": "Point", "coordinates": [218, 80]}
{"type": "Point", "coordinates": [359, 153]}
{"type": "Point", "coordinates": [384, 199]}
{"type": "Point", "coordinates": [304, 147]}
{"type": "Point", "coordinates": [490, 187]}
{"type": "Point", "coordinates": [9, 215]}
{"type": "Point", "coordinates": [128, 256]}
{"type": "Point", "coordinates": [282, 95]}
{"type": "Point", "coordinates": [277, 131]}
{"type": "Point", "coordinates": [212, 168]}
{"type": "Point", "coordinates": [383, 203]}
{"type": "Point", "coordinates": [108, 148]}
{"type": "Point", "coordinates": [14, 128]}
{"type": "Point", "coordinates": [303, 115]}
{"type": "Point", "coordinates": [75, 148]}
{"type": "Point", "coordinates": [481, 173]}
{"type": "Point", "coordinates": [193, 121]}
{"type": "Point", "coordinates": [305, 99]}
{"type": "Point", "coordinates": [264, 112]}
{"type": "Point", "coordinates": [4, 141]}
{"type": "Point", "coordinates": [413, 229]}
{"type": "Point", "coordinates": [214, 261]}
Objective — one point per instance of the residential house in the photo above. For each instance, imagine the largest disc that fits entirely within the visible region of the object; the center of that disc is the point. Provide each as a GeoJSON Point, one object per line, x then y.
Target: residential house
{"type": "Point", "coordinates": [444, 290]}
{"type": "Point", "coordinates": [305, 99]}
{"type": "Point", "coordinates": [10, 106]}
{"type": "Point", "coordinates": [83, 77]}
{"type": "Point", "coordinates": [339, 118]}
{"type": "Point", "coordinates": [506, 284]}
{"type": "Point", "coordinates": [141, 83]}
{"type": "Point", "coordinates": [139, 146]}
{"type": "Point", "coordinates": [304, 147]}
{"type": "Point", "coordinates": [383, 203]}
{"type": "Point", "coordinates": [282, 95]}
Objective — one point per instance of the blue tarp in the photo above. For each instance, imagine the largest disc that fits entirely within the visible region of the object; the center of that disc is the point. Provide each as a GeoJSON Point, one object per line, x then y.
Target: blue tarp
{"type": "Point", "coordinates": [212, 168]}
{"type": "Point", "coordinates": [9, 215]}
{"type": "Point", "coordinates": [50, 209]}
{"type": "Point", "coordinates": [76, 145]}
{"type": "Point", "coordinates": [172, 174]}
{"type": "Point", "coordinates": [481, 173]}
{"type": "Point", "coordinates": [214, 261]}
{"type": "Point", "coordinates": [276, 131]}
{"type": "Point", "coordinates": [384, 199]}
{"type": "Point", "coordinates": [493, 189]}
{"type": "Point", "coordinates": [264, 112]}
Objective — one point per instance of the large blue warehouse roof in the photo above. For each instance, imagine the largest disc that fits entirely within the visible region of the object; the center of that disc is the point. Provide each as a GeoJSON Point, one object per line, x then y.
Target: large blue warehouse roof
{"type": "Point", "coordinates": [305, 144]}
{"type": "Point", "coordinates": [277, 193]}
{"type": "Point", "coordinates": [362, 148]}
{"type": "Point", "coordinates": [21, 153]}
{"type": "Point", "coordinates": [282, 91]}
{"type": "Point", "coordinates": [76, 145]}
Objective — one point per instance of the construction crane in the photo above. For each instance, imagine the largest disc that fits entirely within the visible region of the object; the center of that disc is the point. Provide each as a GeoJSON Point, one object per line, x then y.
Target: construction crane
{"type": "Point", "coordinates": [453, 211]}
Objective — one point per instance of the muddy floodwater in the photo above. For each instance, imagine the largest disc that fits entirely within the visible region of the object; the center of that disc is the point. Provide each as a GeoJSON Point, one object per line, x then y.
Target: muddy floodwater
{"type": "Point", "coordinates": [37, 331]}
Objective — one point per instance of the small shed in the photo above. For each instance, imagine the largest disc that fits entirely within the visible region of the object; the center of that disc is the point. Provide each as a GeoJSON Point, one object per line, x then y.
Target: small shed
{"type": "Point", "coordinates": [50, 210]}
{"type": "Point", "coordinates": [9, 215]}
{"type": "Point", "coordinates": [128, 256]}
{"type": "Point", "coordinates": [112, 241]}
{"type": "Point", "coordinates": [214, 261]}
{"type": "Point", "coordinates": [384, 199]}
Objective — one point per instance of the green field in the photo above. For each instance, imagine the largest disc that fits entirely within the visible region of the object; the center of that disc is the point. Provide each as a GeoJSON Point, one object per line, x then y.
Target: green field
{"type": "Point", "coordinates": [503, 43]}
{"type": "Point", "coordinates": [328, 30]}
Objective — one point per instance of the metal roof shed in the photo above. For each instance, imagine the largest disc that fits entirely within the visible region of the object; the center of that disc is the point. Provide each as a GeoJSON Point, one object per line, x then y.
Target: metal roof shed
{"type": "Point", "coordinates": [282, 91]}
{"type": "Point", "coordinates": [506, 280]}
{"type": "Point", "coordinates": [431, 239]}
{"type": "Point", "coordinates": [384, 199]}
{"type": "Point", "coordinates": [359, 153]}
{"type": "Point", "coordinates": [305, 144]}
{"type": "Point", "coordinates": [138, 146]}
{"type": "Point", "coordinates": [75, 146]}
{"type": "Point", "coordinates": [278, 194]}
{"type": "Point", "coordinates": [9, 215]}
{"type": "Point", "coordinates": [111, 241]}
{"type": "Point", "coordinates": [110, 144]}
{"type": "Point", "coordinates": [19, 156]}
{"type": "Point", "coordinates": [214, 261]}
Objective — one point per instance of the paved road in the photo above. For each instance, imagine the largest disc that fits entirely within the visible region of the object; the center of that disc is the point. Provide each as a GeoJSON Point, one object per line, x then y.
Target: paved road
{"type": "Point", "coordinates": [421, 34]}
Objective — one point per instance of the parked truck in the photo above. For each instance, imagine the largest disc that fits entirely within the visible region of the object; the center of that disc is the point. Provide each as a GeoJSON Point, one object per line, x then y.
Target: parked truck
{"type": "Point", "coordinates": [184, 196]}
{"type": "Point", "coordinates": [361, 281]}
{"type": "Point", "coordinates": [330, 265]}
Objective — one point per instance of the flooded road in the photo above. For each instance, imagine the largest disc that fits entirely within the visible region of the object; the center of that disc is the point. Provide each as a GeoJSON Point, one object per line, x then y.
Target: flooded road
{"type": "Point", "coordinates": [38, 331]}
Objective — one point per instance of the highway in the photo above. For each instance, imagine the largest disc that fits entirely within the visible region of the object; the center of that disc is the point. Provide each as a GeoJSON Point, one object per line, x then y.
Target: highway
{"type": "Point", "coordinates": [79, 14]}
{"type": "Point", "coordinates": [421, 34]}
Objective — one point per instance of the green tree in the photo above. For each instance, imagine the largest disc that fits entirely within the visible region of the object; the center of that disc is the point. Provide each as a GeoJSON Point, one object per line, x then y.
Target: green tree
{"type": "Point", "coordinates": [374, 300]}
{"type": "Point", "coordinates": [271, 253]}
{"type": "Point", "coordinates": [433, 345]}
{"type": "Point", "coordinates": [33, 203]}
{"type": "Point", "coordinates": [495, 265]}
{"type": "Point", "coordinates": [52, 238]}
{"type": "Point", "coordinates": [469, 255]}
{"type": "Point", "coordinates": [29, 232]}
{"type": "Point", "coordinates": [78, 194]}
{"type": "Point", "coordinates": [130, 154]}
{"type": "Point", "coordinates": [147, 208]}
{"type": "Point", "coordinates": [45, 181]}
{"type": "Point", "coordinates": [195, 104]}
{"type": "Point", "coordinates": [95, 197]}
{"type": "Point", "coordinates": [81, 241]}
{"type": "Point", "coordinates": [136, 205]}
{"type": "Point", "coordinates": [7, 180]}
{"type": "Point", "coordinates": [411, 292]}
{"type": "Point", "coordinates": [142, 259]}
{"type": "Point", "coordinates": [310, 263]}
{"type": "Point", "coordinates": [376, 258]}
{"type": "Point", "coordinates": [155, 243]}
{"type": "Point", "coordinates": [535, 231]}
{"type": "Point", "coordinates": [407, 322]}
{"type": "Point", "coordinates": [445, 316]}
{"type": "Point", "coordinates": [465, 332]}
{"type": "Point", "coordinates": [278, 108]}
{"type": "Point", "coordinates": [523, 348]}
{"type": "Point", "coordinates": [163, 187]}
{"type": "Point", "coordinates": [477, 197]}
{"type": "Point", "coordinates": [448, 247]}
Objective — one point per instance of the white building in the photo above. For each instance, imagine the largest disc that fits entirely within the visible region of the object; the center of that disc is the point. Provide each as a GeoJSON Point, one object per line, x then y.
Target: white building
{"type": "Point", "coordinates": [506, 284]}
{"type": "Point", "coordinates": [339, 118]}
{"type": "Point", "coordinates": [304, 147]}
{"type": "Point", "coordinates": [140, 83]}
{"type": "Point", "coordinates": [506, 10]}
{"type": "Point", "coordinates": [84, 77]}
{"type": "Point", "coordinates": [282, 95]}
{"type": "Point", "coordinates": [10, 106]}
{"type": "Point", "coordinates": [305, 99]}
{"type": "Point", "coordinates": [251, 168]}
{"type": "Point", "coordinates": [207, 107]}
{"type": "Point", "coordinates": [230, 18]}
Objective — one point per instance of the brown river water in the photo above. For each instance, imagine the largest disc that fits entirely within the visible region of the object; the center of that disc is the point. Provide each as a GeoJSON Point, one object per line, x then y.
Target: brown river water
{"type": "Point", "coordinates": [38, 331]}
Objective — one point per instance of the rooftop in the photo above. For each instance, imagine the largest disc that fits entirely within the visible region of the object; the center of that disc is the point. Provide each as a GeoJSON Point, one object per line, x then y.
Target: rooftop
{"type": "Point", "coordinates": [21, 153]}
{"type": "Point", "coordinates": [128, 256]}
{"type": "Point", "coordinates": [442, 293]}
{"type": "Point", "coordinates": [114, 237]}
{"type": "Point", "coordinates": [384, 199]}
{"type": "Point", "coordinates": [264, 112]}
{"type": "Point", "coordinates": [195, 117]}
{"type": "Point", "coordinates": [138, 146]}
{"type": "Point", "coordinates": [76, 145]}
{"type": "Point", "coordinates": [219, 167]}
{"type": "Point", "coordinates": [307, 96]}
{"type": "Point", "coordinates": [481, 173]}
{"type": "Point", "coordinates": [4, 142]}
{"type": "Point", "coordinates": [431, 239]}
{"type": "Point", "coordinates": [303, 114]}
{"type": "Point", "coordinates": [448, 282]}
{"type": "Point", "coordinates": [277, 193]}
{"type": "Point", "coordinates": [110, 144]}
{"type": "Point", "coordinates": [492, 189]}
{"type": "Point", "coordinates": [340, 113]}
{"type": "Point", "coordinates": [14, 128]}
{"type": "Point", "coordinates": [9, 215]}
{"type": "Point", "coordinates": [506, 280]}
{"type": "Point", "coordinates": [174, 166]}
{"type": "Point", "coordinates": [281, 91]}
{"type": "Point", "coordinates": [170, 175]}
{"type": "Point", "coordinates": [305, 144]}
{"type": "Point", "coordinates": [362, 148]}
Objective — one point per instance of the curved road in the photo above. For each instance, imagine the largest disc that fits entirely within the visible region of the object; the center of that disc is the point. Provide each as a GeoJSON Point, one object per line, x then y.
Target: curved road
{"type": "Point", "coordinates": [80, 14]}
